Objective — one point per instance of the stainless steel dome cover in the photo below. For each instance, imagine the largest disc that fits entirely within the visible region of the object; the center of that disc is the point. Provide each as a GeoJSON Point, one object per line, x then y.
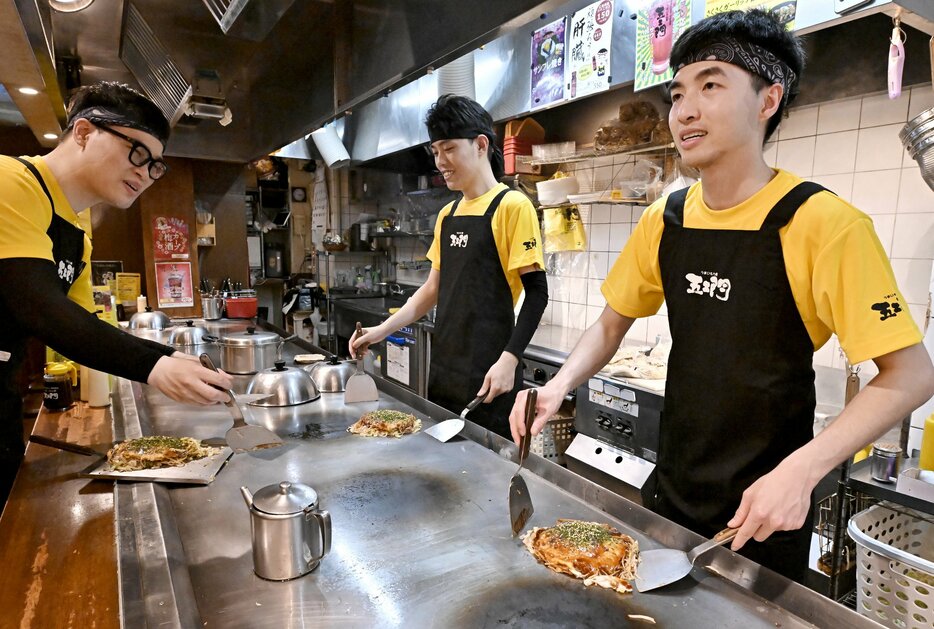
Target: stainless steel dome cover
{"type": "Point", "coordinates": [286, 386]}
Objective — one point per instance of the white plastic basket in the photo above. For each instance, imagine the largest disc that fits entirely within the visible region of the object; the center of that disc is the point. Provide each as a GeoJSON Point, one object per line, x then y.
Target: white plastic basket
{"type": "Point", "coordinates": [894, 566]}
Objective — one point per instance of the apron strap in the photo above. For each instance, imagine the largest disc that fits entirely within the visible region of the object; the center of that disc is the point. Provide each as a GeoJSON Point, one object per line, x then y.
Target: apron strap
{"type": "Point", "coordinates": [787, 206]}
{"type": "Point", "coordinates": [674, 207]}
{"type": "Point", "coordinates": [495, 204]}
{"type": "Point", "coordinates": [35, 173]}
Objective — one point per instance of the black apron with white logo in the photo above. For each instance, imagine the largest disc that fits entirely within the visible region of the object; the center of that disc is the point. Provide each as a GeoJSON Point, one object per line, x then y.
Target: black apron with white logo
{"type": "Point", "coordinates": [67, 253]}
{"type": "Point", "coordinates": [740, 391]}
{"type": "Point", "coordinates": [475, 319]}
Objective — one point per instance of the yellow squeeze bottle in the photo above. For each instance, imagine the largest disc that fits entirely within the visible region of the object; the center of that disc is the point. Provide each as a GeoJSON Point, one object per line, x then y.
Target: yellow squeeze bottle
{"type": "Point", "coordinates": [927, 445]}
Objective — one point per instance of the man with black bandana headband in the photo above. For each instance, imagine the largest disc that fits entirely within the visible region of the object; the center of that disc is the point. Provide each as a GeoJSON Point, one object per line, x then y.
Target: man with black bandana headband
{"type": "Point", "coordinates": [758, 269]}
{"type": "Point", "coordinates": [486, 251]}
{"type": "Point", "coordinates": [111, 152]}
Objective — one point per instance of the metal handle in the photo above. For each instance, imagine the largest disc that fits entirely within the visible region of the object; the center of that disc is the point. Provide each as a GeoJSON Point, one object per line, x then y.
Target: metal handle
{"type": "Point", "coordinates": [65, 445]}
{"type": "Point", "coordinates": [229, 402]}
{"type": "Point", "coordinates": [719, 539]}
{"type": "Point", "coordinates": [323, 518]}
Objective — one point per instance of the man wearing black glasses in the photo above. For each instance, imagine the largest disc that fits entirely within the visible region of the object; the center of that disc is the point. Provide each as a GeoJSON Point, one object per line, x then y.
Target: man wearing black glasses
{"type": "Point", "coordinates": [111, 151]}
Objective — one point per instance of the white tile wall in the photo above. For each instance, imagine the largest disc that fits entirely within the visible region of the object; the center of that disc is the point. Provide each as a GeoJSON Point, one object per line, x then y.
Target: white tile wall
{"type": "Point", "coordinates": [851, 147]}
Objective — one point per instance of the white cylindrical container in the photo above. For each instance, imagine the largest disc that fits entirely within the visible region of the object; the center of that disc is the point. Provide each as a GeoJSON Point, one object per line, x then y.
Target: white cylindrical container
{"type": "Point", "coordinates": [84, 380]}
{"type": "Point", "coordinates": [99, 389]}
{"type": "Point", "coordinates": [141, 303]}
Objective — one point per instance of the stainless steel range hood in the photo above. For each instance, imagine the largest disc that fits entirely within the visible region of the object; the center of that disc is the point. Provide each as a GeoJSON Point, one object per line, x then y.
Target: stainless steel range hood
{"type": "Point", "coordinates": [395, 121]}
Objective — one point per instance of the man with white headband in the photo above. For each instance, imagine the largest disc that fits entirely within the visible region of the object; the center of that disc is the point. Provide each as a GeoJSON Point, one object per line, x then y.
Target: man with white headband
{"type": "Point", "coordinates": [111, 152]}
{"type": "Point", "coordinates": [758, 269]}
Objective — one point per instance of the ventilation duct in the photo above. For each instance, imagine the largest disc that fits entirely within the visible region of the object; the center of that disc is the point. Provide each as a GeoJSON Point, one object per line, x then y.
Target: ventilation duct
{"type": "Point", "coordinates": [152, 66]}
{"type": "Point", "coordinates": [246, 19]}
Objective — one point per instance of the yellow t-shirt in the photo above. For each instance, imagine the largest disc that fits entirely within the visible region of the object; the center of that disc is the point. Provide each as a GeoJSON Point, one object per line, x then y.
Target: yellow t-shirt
{"type": "Point", "coordinates": [25, 216]}
{"type": "Point", "coordinates": [516, 233]}
{"type": "Point", "coordinates": [836, 267]}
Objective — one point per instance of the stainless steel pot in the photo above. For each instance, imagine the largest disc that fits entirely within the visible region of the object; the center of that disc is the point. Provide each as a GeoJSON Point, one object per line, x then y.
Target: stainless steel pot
{"type": "Point", "coordinates": [190, 335]}
{"type": "Point", "coordinates": [331, 375]}
{"type": "Point", "coordinates": [149, 320]}
{"type": "Point", "coordinates": [290, 533]}
{"type": "Point", "coordinates": [212, 307]}
{"type": "Point", "coordinates": [249, 352]}
{"type": "Point", "coordinates": [285, 386]}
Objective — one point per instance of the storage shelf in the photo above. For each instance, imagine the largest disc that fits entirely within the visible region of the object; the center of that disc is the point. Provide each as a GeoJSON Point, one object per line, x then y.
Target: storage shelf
{"type": "Point", "coordinates": [581, 156]}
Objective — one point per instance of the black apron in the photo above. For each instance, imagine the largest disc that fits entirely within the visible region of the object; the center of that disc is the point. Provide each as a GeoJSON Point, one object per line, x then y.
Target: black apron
{"type": "Point", "coordinates": [67, 253]}
{"type": "Point", "coordinates": [474, 321]}
{"type": "Point", "coordinates": [740, 391]}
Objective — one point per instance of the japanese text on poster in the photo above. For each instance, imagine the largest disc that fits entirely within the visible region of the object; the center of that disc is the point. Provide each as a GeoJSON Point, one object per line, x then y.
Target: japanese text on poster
{"type": "Point", "coordinates": [588, 52]}
{"type": "Point", "coordinates": [658, 25]}
{"type": "Point", "coordinates": [127, 287]}
{"type": "Point", "coordinates": [169, 238]}
{"type": "Point", "coordinates": [783, 9]}
{"type": "Point", "coordinates": [173, 284]}
{"type": "Point", "coordinates": [548, 64]}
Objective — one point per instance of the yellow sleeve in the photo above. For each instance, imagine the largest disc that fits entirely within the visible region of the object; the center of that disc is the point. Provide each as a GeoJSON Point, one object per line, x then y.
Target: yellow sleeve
{"type": "Point", "coordinates": [25, 215]}
{"type": "Point", "coordinates": [523, 233]}
{"type": "Point", "coordinates": [856, 295]}
{"type": "Point", "coordinates": [434, 251]}
{"type": "Point", "coordinates": [633, 287]}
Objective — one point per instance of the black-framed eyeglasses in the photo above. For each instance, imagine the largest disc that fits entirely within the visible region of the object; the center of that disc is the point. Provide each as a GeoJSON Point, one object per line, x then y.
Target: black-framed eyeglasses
{"type": "Point", "coordinates": [139, 154]}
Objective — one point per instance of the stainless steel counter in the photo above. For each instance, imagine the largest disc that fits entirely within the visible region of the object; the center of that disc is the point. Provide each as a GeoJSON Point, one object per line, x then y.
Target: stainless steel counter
{"type": "Point", "coordinates": [420, 535]}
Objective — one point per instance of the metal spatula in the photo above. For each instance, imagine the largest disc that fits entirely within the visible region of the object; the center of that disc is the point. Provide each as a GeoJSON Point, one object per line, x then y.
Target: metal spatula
{"type": "Point", "coordinates": [243, 437]}
{"type": "Point", "coordinates": [360, 386]}
{"type": "Point", "coordinates": [443, 431]}
{"type": "Point", "coordinates": [520, 502]}
{"type": "Point", "coordinates": [666, 565]}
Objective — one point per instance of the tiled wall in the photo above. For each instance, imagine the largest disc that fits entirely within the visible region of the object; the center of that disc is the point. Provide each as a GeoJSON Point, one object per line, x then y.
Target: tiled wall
{"type": "Point", "coordinates": [850, 146]}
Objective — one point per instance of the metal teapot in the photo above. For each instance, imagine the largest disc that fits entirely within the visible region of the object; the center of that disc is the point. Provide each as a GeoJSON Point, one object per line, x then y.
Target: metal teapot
{"type": "Point", "coordinates": [290, 533]}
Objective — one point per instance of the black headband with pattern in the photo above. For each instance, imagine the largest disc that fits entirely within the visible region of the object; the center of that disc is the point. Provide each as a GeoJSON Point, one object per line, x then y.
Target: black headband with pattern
{"type": "Point", "coordinates": [748, 56]}
{"type": "Point", "coordinates": [102, 116]}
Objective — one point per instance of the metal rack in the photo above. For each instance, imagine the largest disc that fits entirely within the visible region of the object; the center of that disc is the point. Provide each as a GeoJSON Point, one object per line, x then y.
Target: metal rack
{"type": "Point", "coordinates": [580, 156]}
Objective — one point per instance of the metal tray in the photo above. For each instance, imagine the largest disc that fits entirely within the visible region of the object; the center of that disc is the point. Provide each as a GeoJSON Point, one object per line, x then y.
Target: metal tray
{"type": "Point", "coordinates": [197, 472]}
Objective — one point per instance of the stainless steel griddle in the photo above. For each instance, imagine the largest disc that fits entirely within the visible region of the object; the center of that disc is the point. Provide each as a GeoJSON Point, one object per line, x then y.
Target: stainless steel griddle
{"type": "Point", "coordinates": [421, 537]}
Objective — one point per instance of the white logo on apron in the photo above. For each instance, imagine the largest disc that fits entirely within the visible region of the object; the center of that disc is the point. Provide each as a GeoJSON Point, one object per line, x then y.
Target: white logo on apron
{"type": "Point", "coordinates": [459, 239]}
{"type": "Point", "coordinates": [707, 283]}
{"type": "Point", "coordinates": [66, 271]}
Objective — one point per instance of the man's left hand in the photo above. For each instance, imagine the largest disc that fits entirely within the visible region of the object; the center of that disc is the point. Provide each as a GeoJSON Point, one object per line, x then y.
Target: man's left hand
{"type": "Point", "coordinates": [779, 501]}
{"type": "Point", "coordinates": [500, 378]}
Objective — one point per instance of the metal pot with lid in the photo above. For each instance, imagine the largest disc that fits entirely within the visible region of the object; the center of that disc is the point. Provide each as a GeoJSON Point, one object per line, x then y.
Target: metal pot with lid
{"type": "Point", "coordinates": [331, 375]}
{"type": "Point", "coordinates": [149, 320]}
{"type": "Point", "coordinates": [190, 335]}
{"type": "Point", "coordinates": [290, 533]}
{"type": "Point", "coordinates": [285, 386]}
{"type": "Point", "coordinates": [249, 352]}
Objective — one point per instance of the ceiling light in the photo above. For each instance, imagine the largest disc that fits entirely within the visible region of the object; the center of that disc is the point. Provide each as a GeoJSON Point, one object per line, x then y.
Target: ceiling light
{"type": "Point", "coordinates": [29, 91]}
{"type": "Point", "coordinates": [50, 136]}
{"type": "Point", "coordinates": [69, 6]}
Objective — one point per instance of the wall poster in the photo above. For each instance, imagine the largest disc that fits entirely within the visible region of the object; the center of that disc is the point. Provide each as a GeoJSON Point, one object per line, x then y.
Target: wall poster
{"type": "Point", "coordinates": [169, 238]}
{"type": "Point", "coordinates": [104, 273]}
{"type": "Point", "coordinates": [658, 25]}
{"type": "Point", "coordinates": [548, 64]}
{"type": "Point", "coordinates": [588, 52]}
{"type": "Point", "coordinates": [173, 285]}
{"type": "Point", "coordinates": [784, 9]}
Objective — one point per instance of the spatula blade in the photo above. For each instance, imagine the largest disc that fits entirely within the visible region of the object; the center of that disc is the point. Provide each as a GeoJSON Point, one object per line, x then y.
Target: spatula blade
{"type": "Point", "coordinates": [520, 504]}
{"type": "Point", "coordinates": [360, 388]}
{"type": "Point", "coordinates": [246, 438]}
{"type": "Point", "coordinates": [661, 567]}
{"type": "Point", "coordinates": [445, 430]}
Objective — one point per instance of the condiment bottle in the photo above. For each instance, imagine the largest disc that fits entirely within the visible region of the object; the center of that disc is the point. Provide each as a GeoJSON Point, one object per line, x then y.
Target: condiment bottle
{"type": "Point", "coordinates": [927, 445]}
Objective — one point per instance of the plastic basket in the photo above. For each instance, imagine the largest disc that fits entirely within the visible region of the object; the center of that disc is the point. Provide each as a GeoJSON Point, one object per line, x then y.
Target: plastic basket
{"type": "Point", "coordinates": [894, 566]}
{"type": "Point", "coordinates": [554, 439]}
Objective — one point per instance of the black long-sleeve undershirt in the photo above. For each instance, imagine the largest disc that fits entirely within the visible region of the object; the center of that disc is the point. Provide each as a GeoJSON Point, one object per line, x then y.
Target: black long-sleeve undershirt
{"type": "Point", "coordinates": [530, 314]}
{"type": "Point", "coordinates": [31, 297]}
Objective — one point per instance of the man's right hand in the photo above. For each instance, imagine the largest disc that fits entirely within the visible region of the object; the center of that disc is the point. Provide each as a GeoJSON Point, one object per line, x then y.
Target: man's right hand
{"type": "Point", "coordinates": [187, 381]}
{"type": "Point", "coordinates": [549, 400]}
{"type": "Point", "coordinates": [359, 344]}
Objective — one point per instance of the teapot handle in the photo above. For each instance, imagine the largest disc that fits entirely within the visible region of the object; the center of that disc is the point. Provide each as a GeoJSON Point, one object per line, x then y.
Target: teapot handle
{"type": "Point", "coordinates": [324, 527]}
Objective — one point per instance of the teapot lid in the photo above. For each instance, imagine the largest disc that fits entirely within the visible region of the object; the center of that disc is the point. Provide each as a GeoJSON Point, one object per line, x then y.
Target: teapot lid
{"type": "Point", "coordinates": [285, 498]}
